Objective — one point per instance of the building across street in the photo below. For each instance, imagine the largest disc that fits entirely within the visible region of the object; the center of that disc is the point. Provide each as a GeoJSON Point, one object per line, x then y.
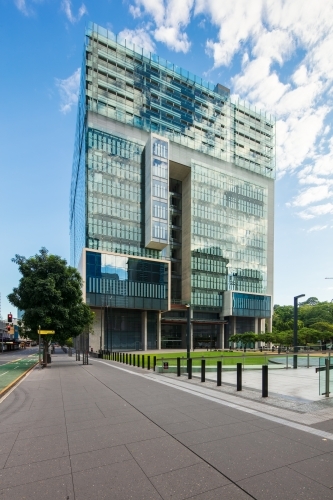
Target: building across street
{"type": "Point", "coordinates": [172, 203]}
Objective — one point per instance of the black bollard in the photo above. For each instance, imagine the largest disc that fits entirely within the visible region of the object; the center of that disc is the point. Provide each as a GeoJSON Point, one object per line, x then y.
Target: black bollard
{"type": "Point", "coordinates": [143, 360]}
{"type": "Point", "coordinates": [219, 373]}
{"type": "Point", "coordinates": [127, 358]}
{"type": "Point", "coordinates": [239, 376]}
{"type": "Point", "coordinates": [123, 357]}
{"type": "Point", "coordinates": [178, 367]}
{"type": "Point", "coordinates": [130, 359]}
{"type": "Point", "coordinates": [264, 381]}
{"type": "Point", "coordinates": [138, 360]}
{"type": "Point", "coordinates": [203, 370]}
{"type": "Point", "coordinates": [133, 359]}
{"type": "Point", "coordinates": [189, 368]}
{"type": "Point", "coordinates": [148, 363]}
{"type": "Point", "coordinates": [154, 363]}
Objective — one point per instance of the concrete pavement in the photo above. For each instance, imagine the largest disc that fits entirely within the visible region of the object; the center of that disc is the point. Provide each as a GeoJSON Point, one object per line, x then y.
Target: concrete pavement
{"type": "Point", "coordinates": [112, 432]}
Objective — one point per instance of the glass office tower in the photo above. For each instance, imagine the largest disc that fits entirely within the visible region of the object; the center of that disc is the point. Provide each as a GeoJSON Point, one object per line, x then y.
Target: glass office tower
{"type": "Point", "coordinates": [172, 202]}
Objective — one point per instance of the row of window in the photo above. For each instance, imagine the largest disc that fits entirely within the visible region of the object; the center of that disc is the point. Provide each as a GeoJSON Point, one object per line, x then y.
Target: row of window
{"type": "Point", "coordinates": [209, 282]}
{"type": "Point", "coordinates": [127, 192]}
{"type": "Point", "coordinates": [160, 230]}
{"type": "Point", "coordinates": [122, 170]}
{"type": "Point", "coordinates": [202, 175]}
{"type": "Point", "coordinates": [121, 246]}
{"type": "Point", "coordinates": [243, 206]}
{"type": "Point", "coordinates": [116, 211]}
{"type": "Point", "coordinates": [208, 194]}
{"type": "Point", "coordinates": [114, 145]}
{"type": "Point", "coordinates": [160, 210]}
{"type": "Point", "coordinates": [114, 229]}
{"type": "Point", "coordinates": [208, 265]}
{"type": "Point", "coordinates": [229, 219]}
{"type": "Point", "coordinates": [249, 286]}
{"type": "Point", "coordinates": [219, 233]}
{"type": "Point", "coordinates": [127, 288]}
{"type": "Point", "coordinates": [160, 169]}
{"type": "Point", "coordinates": [160, 148]}
{"type": "Point", "coordinates": [206, 299]}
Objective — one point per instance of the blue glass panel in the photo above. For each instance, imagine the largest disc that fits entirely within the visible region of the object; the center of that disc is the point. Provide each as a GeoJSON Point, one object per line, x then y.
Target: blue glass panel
{"type": "Point", "coordinates": [244, 304]}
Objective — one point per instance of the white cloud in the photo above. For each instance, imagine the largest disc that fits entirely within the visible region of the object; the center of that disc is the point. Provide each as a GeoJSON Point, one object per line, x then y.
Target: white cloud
{"type": "Point", "coordinates": [139, 37]}
{"type": "Point", "coordinates": [135, 11]}
{"type": "Point", "coordinates": [317, 228]}
{"type": "Point", "coordinates": [67, 8]}
{"type": "Point", "coordinates": [237, 21]}
{"type": "Point", "coordinates": [170, 17]}
{"type": "Point", "coordinates": [69, 91]}
{"type": "Point", "coordinates": [22, 7]}
{"type": "Point", "coordinates": [312, 195]}
{"type": "Point", "coordinates": [315, 211]}
{"type": "Point", "coordinates": [172, 38]}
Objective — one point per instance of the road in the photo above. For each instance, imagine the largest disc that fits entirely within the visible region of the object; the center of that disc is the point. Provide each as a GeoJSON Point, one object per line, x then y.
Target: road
{"type": "Point", "coordinates": [5, 357]}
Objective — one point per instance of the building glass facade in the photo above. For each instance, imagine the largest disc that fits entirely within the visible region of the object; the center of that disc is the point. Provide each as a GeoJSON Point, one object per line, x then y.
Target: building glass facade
{"type": "Point", "coordinates": [171, 199]}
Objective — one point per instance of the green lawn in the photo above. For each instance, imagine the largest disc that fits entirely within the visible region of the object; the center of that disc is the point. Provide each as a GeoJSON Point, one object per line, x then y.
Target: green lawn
{"type": "Point", "coordinates": [211, 357]}
{"type": "Point", "coordinates": [227, 358]}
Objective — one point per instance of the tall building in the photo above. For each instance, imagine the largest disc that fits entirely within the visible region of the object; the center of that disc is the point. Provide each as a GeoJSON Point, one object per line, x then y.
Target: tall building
{"type": "Point", "coordinates": [172, 202]}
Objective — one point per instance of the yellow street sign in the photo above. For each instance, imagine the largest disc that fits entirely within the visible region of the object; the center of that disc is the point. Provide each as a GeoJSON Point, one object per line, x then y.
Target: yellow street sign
{"type": "Point", "coordinates": [46, 332]}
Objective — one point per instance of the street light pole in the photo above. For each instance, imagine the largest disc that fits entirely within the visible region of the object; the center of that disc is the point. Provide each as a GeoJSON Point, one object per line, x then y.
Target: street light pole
{"type": "Point", "coordinates": [296, 328]}
{"type": "Point", "coordinates": [188, 333]}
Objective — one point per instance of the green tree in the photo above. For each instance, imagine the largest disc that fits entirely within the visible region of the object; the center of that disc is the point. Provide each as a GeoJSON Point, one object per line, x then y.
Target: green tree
{"type": "Point", "coordinates": [244, 338]}
{"type": "Point", "coordinates": [50, 294]}
{"type": "Point", "coordinates": [281, 317]}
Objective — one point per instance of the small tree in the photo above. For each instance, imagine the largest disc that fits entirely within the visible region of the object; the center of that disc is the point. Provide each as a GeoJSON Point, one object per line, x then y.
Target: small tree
{"type": "Point", "coordinates": [50, 294]}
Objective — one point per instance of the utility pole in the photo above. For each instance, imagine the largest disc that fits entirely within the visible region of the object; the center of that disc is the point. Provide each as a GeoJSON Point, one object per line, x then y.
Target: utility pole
{"type": "Point", "coordinates": [296, 328]}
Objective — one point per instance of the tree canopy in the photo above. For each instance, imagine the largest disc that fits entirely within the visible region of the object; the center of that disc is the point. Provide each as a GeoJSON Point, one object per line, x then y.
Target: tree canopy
{"type": "Point", "coordinates": [50, 294]}
{"type": "Point", "coordinates": [315, 322]}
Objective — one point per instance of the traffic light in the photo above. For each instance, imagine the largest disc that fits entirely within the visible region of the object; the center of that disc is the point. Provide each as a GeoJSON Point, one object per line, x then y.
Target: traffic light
{"type": "Point", "coordinates": [10, 318]}
{"type": "Point", "coordinates": [8, 328]}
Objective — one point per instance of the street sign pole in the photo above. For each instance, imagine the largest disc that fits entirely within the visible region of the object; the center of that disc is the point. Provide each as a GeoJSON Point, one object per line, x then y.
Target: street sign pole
{"type": "Point", "coordinates": [39, 357]}
{"type": "Point", "coordinates": [43, 332]}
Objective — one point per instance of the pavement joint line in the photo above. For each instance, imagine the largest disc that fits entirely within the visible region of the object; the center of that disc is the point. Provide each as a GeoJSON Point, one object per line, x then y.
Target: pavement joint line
{"type": "Point", "coordinates": [172, 436]}
{"type": "Point", "coordinates": [182, 387]}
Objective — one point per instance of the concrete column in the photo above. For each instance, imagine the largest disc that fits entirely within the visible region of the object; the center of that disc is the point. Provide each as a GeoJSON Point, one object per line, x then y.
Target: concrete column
{"type": "Point", "coordinates": [261, 325]}
{"type": "Point", "coordinates": [232, 327]}
{"type": "Point", "coordinates": [256, 321]}
{"type": "Point", "coordinates": [269, 324]}
{"type": "Point", "coordinates": [220, 337]}
{"type": "Point", "coordinates": [158, 334]}
{"type": "Point", "coordinates": [98, 328]}
{"type": "Point", "coordinates": [144, 330]}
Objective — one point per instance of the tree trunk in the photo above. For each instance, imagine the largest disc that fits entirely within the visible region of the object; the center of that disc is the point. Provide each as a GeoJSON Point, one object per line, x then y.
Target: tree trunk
{"type": "Point", "coordinates": [45, 350]}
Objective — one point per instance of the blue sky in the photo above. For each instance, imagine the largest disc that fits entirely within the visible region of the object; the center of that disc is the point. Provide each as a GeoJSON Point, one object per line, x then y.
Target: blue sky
{"type": "Point", "coordinates": [275, 54]}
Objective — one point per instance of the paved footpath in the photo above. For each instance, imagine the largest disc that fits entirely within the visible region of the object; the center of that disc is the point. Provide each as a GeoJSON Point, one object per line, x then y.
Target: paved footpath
{"type": "Point", "coordinates": [109, 431]}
